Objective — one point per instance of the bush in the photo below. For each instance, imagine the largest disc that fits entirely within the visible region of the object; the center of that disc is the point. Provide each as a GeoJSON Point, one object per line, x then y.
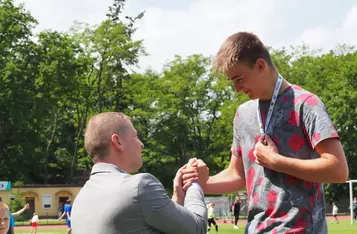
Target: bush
{"type": "Point", "coordinates": [17, 204]}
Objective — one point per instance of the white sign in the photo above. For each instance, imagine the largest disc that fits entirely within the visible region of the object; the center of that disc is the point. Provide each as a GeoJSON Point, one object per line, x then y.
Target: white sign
{"type": "Point", "coordinates": [5, 185]}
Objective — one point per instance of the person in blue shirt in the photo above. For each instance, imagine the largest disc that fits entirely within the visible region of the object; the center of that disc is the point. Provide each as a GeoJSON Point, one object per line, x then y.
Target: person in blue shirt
{"type": "Point", "coordinates": [4, 218]}
{"type": "Point", "coordinates": [67, 212]}
{"type": "Point", "coordinates": [12, 224]}
{"type": "Point", "coordinates": [12, 219]}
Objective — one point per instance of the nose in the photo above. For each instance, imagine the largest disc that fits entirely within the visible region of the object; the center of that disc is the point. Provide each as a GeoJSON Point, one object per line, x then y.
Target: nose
{"type": "Point", "coordinates": [142, 145]}
{"type": "Point", "coordinates": [238, 87]}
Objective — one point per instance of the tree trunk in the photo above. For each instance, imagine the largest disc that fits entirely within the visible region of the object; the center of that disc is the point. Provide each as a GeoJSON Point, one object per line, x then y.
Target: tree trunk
{"type": "Point", "coordinates": [74, 159]}
{"type": "Point", "coordinates": [49, 143]}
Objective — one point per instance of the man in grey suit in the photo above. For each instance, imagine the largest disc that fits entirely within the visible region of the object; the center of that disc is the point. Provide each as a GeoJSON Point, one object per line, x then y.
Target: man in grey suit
{"type": "Point", "coordinates": [113, 201]}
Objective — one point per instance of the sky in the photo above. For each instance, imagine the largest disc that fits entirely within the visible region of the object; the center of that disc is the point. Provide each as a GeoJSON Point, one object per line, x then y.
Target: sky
{"type": "Point", "coordinates": [187, 27]}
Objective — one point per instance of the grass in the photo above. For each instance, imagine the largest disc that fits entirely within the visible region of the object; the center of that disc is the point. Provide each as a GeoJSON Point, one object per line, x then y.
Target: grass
{"type": "Point", "coordinates": [343, 228]}
{"type": "Point", "coordinates": [44, 231]}
{"type": "Point", "coordinates": [42, 222]}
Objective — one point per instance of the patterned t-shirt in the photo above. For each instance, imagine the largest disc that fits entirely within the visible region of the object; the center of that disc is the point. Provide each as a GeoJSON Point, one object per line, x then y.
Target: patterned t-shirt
{"type": "Point", "coordinates": [280, 203]}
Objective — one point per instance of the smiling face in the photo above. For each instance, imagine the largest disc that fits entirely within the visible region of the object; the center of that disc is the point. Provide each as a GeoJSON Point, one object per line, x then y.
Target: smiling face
{"type": "Point", "coordinates": [131, 147]}
{"type": "Point", "coordinates": [126, 147]}
{"type": "Point", "coordinates": [253, 81]}
{"type": "Point", "coordinates": [247, 62]}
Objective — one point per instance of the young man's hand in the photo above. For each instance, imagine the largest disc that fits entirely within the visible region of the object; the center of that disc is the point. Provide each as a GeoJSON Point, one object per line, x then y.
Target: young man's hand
{"type": "Point", "coordinates": [196, 172]}
{"type": "Point", "coordinates": [266, 153]}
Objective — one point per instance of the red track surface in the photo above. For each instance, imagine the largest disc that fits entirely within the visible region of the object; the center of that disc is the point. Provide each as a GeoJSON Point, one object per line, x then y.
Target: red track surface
{"type": "Point", "coordinates": [41, 227]}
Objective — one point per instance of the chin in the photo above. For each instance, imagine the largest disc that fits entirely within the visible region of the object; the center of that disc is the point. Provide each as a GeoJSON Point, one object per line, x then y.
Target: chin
{"type": "Point", "coordinates": [251, 96]}
{"type": "Point", "coordinates": [138, 166]}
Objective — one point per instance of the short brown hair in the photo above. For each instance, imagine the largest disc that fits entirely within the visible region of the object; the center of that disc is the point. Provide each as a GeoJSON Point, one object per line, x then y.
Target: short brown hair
{"type": "Point", "coordinates": [241, 47]}
{"type": "Point", "coordinates": [99, 130]}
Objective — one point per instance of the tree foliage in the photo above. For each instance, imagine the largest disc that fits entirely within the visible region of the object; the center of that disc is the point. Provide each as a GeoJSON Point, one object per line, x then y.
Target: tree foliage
{"type": "Point", "coordinates": [53, 82]}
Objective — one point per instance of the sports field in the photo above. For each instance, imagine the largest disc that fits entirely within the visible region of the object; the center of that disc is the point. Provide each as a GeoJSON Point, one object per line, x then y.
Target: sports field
{"type": "Point", "coordinates": [344, 227]}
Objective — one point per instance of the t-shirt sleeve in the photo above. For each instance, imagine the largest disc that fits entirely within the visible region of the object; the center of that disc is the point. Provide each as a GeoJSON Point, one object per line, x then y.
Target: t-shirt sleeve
{"type": "Point", "coordinates": [317, 123]}
{"type": "Point", "coordinates": [236, 148]}
{"type": "Point", "coordinates": [12, 220]}
{"type": "Point", "coordinates": [67, 208]}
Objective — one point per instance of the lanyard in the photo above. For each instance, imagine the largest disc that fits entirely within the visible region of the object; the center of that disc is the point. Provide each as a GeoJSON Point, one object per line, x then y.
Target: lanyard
{"type": "Point", "coordinates": [271, 107]}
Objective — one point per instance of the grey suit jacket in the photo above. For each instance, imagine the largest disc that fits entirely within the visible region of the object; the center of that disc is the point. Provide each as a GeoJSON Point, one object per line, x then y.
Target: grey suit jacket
{"type": "Point", "coordinates": [113, 201]}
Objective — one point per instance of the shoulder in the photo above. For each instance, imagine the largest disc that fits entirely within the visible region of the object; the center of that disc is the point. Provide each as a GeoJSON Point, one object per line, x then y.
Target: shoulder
{"type": "Point", "coordinates": [303, 96]}
{"type": "Point", "coordinates": [12, 220]}
{"type": "Point", "coordinates": [243, 109]}
{"type": "Point", "coordinates": [149, 187]}
{"type": "Point", "coordinates": [144, 177]}
{"type": "Point", "coordinates": [246, 105]}
{"type": "Point", "coordinates": [146, 180]}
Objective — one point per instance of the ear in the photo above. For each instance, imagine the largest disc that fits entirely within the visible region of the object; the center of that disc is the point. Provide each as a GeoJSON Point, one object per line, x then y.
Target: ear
{"type": "Point", "coordinates": [115, 140]}
{"type": "Point", "coordinates": [261, 65]}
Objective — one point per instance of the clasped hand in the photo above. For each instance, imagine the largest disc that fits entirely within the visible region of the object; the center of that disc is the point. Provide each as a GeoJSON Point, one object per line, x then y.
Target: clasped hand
{"type": "Point", "coordinates": [266, 153]}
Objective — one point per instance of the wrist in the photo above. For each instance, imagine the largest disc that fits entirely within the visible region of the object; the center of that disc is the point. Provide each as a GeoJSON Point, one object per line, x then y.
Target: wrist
{"type": "Point", "coordinates": [278, 163]}
{"type": "Point", "coordinates": [179, 200]}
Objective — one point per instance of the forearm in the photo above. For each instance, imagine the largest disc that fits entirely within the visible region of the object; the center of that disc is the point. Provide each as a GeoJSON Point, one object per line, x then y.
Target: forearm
{"type": "Point", "coordinates": [63, 214]}
{"type": "Point", "coordinates": [226, 181]}
{"type": "Point", "coordinates": [165, 215]}
{"type": "Point", "coordinates": [19, 212]}
{"type": "Point", "coordinates": [320, 170]}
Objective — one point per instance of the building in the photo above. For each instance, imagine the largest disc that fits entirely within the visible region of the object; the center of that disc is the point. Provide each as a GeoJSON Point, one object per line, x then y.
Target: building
{"type": "Point", "coordinates": [43, 199]}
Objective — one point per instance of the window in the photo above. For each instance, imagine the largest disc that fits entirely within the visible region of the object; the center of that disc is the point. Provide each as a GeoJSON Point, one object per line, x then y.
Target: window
{"type": "Point", "coordinates": [47, 201]}
{"type": "Point", "coordinates": [11, 197]}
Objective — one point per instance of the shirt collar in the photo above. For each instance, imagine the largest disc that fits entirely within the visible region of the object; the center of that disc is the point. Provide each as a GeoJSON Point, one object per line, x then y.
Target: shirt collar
{"type": "Point", "coordinates": [106, 168]}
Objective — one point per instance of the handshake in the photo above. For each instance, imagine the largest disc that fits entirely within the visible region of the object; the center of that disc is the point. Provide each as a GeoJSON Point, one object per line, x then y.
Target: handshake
{"type": "Point", "coordinates": [194, 171]}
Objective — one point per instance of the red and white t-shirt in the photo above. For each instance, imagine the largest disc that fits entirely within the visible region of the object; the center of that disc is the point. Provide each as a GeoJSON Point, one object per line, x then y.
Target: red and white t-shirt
{"type": "Point", "coordinates": [280, 203]}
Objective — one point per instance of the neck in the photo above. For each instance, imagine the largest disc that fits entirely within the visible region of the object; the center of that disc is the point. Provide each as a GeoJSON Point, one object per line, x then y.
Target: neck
{"type": "Point", "coordinates": [271, 86]}
{"type": "Point", "coordinates": [110, 159]}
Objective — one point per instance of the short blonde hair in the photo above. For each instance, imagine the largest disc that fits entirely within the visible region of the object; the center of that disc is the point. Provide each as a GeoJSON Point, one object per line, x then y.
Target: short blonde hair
{"type": "Point", "coordinates": [240, 47]}
{"type": "Point", "coordinates": [99, 130]}
{"type": "Point", "coordinates": [4, 206]}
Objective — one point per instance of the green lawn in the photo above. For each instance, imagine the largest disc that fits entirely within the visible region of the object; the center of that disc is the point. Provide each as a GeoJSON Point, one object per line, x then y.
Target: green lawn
{"type": "Point", "coordinates": [43, 231]}
{"type": "Point", "coordinates": [343, 228]}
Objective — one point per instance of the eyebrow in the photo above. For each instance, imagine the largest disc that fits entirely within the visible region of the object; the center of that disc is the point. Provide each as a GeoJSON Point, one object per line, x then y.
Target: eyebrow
{"type": "Point", "coordinates": [235, 77]}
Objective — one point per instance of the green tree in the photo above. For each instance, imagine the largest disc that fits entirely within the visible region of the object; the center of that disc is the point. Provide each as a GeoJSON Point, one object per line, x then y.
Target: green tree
{"type": "Point", "coordinates": [113, 52]}
{"type": "Point", "coordinates": [16, 92]}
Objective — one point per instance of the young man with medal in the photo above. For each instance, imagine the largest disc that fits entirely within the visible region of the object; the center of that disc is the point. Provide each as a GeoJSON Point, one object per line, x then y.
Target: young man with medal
{"type": "Point", "coordinates": [284, 145]}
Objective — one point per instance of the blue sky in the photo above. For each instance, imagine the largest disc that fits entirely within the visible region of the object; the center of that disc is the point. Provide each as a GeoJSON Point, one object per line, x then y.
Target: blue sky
{"type": "Point", "coordinates": [187, 27]}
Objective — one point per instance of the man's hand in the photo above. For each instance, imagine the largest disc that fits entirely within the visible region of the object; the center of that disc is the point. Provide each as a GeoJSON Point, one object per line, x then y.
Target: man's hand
{"type": "Point", "coordinates": [196, 172]}
{"type": "Point", "coordinates": [179, 190]}
{"type": "Point", "coordinates": [27, 206]}
{"type": "Point", "coordinates": [266, 153]}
